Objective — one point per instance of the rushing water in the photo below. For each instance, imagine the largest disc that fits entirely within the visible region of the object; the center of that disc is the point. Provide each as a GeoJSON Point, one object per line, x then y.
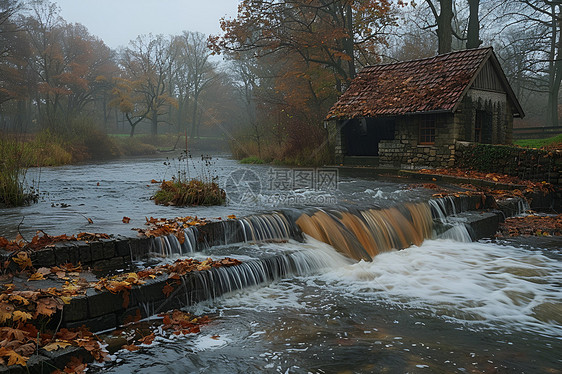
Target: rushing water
{"type": "Point", "coordinates": [106, 192]}
{"type": "Point", "coordinates": [442, 305]}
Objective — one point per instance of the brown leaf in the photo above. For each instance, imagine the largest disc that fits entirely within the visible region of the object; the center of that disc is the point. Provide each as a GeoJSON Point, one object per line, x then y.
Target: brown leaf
{"type": "Point", "coordinates": [126, 220]}
{"type": "Point", "coordinates": [13, 357]}
{"type": "Point", "coordinates": [6, 312]}
{"type": "Point", "coordinates": [36, 276]}
{"type": "Point", "coordinates": [147, 339]}
{"type": "Point", "coordinates": [23, 260]}
{"type": "Point", "coordinates": [47, 306]}
{"type": "Point", "coordinates": [168, 289]}
{"type": "Point", "coordinates": [56, 345]}
{"type": "Point", "coordinates": [131, 347]}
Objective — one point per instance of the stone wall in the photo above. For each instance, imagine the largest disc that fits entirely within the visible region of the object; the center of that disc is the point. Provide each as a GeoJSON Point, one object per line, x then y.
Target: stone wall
{"type": "Point", "coordinates": [405, 149]}
{"type": "Point", "coordinates": [499, 129]}
{"type": "Point", "coordinates": [530, 164]}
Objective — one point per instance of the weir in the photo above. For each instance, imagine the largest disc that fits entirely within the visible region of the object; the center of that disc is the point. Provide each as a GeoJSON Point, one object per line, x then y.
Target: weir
{"type": "Point", "coordinates": [359, 234]}
{"type": "Point", "coordinates": [296, 247]}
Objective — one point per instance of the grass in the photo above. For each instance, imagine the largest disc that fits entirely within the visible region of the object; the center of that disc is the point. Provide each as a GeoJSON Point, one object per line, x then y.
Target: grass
{"type": "Point", "coordinates": [15, 157]}
{"type": "Point", "coordinates": [539, 143]}
{"type": "Point", "coordinates": [252, 160]}
{"type": "Point", "coordinates": [194, 192]}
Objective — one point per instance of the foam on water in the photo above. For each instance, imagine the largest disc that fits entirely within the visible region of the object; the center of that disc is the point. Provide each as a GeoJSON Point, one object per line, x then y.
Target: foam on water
{"type": "Point", "coordinates": [484, 285]}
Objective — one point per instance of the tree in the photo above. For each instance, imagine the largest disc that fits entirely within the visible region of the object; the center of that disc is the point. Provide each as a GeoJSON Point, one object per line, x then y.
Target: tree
{"type": "Point", "coordinates": [67, 63]}
{"type": "Point", "coordinates": [13, 51]}
{"type": "Point", "coordinates": [473, 35]}
{"type": "Point", "coordinates": [443, 19]}
{"type": "Point", "coordinates": [142, 91]}
{"type": "Point", "coordinates": [540, 23]}
{"type": "Point", "coordinates": [197, 72]}
{"type": "Point", "coordinates": [330, 33]}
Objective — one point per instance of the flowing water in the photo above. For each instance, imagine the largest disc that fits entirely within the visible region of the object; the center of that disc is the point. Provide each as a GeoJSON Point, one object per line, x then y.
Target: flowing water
{"type": "Point", "coordinates": [348, 301]}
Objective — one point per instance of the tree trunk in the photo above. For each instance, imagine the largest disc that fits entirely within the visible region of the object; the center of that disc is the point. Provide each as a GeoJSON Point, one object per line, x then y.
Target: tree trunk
{"type": "Point", "coordinates": [348, 42]}
{"type": "Point", "coordinates": [194, 125]}
{"type": "Point", "coordinates": [154, 128]}
{"type": "Point", "coordinates": [444, 28]}
{"type": "Point", "coordinates": [473, 25]}
{"type": "Point", "coordinates": [552, 105]}
{"type": "Point", "coordinates": [557, 69]}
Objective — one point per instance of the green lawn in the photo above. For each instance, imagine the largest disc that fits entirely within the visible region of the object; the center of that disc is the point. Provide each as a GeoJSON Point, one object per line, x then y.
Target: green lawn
{"type": "Point", "coordinates": [538, 143]}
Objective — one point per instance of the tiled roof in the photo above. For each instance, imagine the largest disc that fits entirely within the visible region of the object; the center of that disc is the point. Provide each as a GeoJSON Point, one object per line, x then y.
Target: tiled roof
{"type": "Point", "coordinates": [431, 84]}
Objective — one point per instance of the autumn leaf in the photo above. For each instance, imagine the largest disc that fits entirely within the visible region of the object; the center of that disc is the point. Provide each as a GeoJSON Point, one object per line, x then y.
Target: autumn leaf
{"type": "Point", "coordinates": [13, 334]}
{"type": "Point", "coordinates": [66, 299]}
{"type": "Point", "coordinates": [36, 276]}
{"type": "Point", "coordinates": [126, 299]}
{"type": "Point", "coordinates": [13, 357]}
{"type": "Point", "coordinates": [56, 345]}
{"type": "Point", "coordinates": [168, 289]}
{"type": "Point", "coordinates": [6, 312]}
{"type": "Point", "coordinates": [131, 347]}
{"type": "Point", "coordinates": [147, 339]}
{"type": "Point", "coordinates": [26, 349]}
{"type": "Point", "coordinates": [23, 260]}
{"type": "Point", "coordinates": [126, 220]}
{"type": "Point", "coordinates": [44, 271]}
{"type": "Point", "coordinates": [47, 306]}
{"type": "Point", "coordinates": [75, 366]}
{"type": "Point", "coordinates": [232, 216]}
{"type": "Point", "coordinates": [21, 316]}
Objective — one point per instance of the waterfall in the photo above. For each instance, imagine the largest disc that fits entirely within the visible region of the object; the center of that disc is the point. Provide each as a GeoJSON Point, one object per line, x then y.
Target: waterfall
{"type": "Point", "coordinates": [359, 234]}
{"type": "Point", "coordinates": [267, 227]}
{"type": "Point", "coordinates": [363, 234]}
{"type": "Point", "coordinates": [208, 285]}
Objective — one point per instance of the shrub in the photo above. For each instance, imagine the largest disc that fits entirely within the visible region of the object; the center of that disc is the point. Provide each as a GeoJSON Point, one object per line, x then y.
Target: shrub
{"type": "Point", "coordinates": [194, 192]}
{"type": "Point", "coordinates": [134, 146]}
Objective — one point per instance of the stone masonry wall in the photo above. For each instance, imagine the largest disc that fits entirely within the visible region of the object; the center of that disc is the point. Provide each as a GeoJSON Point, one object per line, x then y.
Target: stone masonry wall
{"type": "Point", "coordinates": [405, 149]}
{"type": "Point", "coordinates": [531, 164]}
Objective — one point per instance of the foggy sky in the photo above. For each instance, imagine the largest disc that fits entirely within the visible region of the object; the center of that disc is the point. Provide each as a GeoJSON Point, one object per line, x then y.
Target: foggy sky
{"type": "Point", "coordinates": [118, 21]}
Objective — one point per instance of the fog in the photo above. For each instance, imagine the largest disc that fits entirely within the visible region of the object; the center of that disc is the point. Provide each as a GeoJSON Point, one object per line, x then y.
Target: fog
{"type": "Point", "coordinates": [118, 22]}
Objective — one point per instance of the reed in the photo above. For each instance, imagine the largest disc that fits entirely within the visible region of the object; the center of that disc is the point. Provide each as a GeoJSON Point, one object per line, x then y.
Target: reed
{"type": "Point", "coordinates": [183, 190]}
{"type": "Point", "coordinates": [15, 158]}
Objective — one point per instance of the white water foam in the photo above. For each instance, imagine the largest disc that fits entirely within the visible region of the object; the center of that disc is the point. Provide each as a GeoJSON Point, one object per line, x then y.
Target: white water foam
{"type": "Point", "coordinates": [484, 285]}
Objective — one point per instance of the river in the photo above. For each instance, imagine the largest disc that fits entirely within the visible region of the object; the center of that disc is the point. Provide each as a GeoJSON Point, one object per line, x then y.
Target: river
{"type": "Point", "coordinates": [443, 306]}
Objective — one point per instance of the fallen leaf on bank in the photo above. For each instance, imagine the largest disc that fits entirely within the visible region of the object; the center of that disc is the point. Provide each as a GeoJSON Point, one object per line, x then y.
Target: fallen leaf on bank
{"type": "Point", "coordinates": [21, 316]}
{"type": "Point", "coordinates": [12, 334]}
{"type": "Point", "coordinates": [13, 357]}
{"type": "Point", "coordinates": [167, 289]}
{"type": "Point", "coordinates": [44, 271]}
{"type": "Point", "coordinates": [6, 312]}
{"type": "Point", "coordinates": [23, 260]}
{"type": "Point", "coordinates": [131, 347]}
{"type": "Point", "coordinates": [36, 277]}
{"type": "Point", "coordinates": [55, 346]}
{"type": "Point", "coordinates": [147, 339]}
{"type": "Point", "coordinates": [47, 306]}
{"type": "Point", "coordinates": [26, 349]}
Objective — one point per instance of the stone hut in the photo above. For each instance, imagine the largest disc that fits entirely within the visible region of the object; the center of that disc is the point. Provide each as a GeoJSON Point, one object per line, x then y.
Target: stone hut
{"type": "Point", "coordinates": [413, 113]}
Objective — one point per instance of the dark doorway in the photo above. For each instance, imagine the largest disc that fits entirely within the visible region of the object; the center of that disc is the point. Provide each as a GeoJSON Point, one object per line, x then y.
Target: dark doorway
{"type": "Point", "coordinates": [364, 134]}
{"type": "Point", "coordinates": [483, 127]}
